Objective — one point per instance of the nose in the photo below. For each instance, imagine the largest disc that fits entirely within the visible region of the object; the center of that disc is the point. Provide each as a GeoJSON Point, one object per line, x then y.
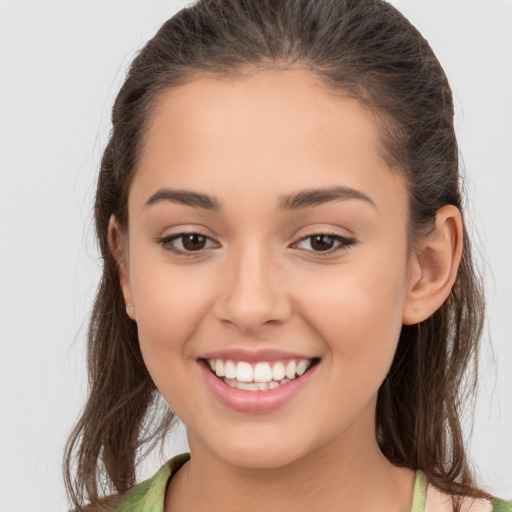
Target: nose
{"type": "Point", "coordinates": [252, 293]}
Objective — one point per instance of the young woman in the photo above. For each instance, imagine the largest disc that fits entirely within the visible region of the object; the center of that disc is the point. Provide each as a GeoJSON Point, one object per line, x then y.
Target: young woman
{"type": "Point", "coordinates": [286, 264]}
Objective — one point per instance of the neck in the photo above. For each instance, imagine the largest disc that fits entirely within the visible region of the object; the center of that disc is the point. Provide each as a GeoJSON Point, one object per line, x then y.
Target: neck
{"type": "Point", "coordinates": [353, 475]}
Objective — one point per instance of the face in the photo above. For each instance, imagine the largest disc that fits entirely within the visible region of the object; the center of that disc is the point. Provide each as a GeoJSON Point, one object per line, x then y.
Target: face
{"type": "Point", "coordinates": [266, 237]}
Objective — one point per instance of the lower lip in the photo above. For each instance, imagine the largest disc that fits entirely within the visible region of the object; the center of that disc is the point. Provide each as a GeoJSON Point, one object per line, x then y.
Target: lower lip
{"type": "Point", "coordinates": [242, 400]}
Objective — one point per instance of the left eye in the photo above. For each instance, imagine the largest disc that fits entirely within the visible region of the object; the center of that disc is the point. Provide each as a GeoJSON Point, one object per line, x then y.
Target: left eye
{"type": "Point", "coordinates": [186, 242]}
{"type": "Point", "coordinates": [323, 242]}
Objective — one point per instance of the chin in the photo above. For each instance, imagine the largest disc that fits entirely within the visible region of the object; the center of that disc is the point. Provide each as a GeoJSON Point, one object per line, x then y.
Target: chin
{"type": "Point", "coordinates": [257, 458]}
{"type": "Point", "coordinates": [263, 450]}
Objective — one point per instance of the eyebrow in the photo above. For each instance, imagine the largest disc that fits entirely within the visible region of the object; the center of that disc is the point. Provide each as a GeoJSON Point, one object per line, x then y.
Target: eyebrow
{"type": "Point", "coordinates": [186, 197]}
{"type": "Point", "coordinates": [303, 199]}
{"type": "Point", "coordinates": [317, 197]}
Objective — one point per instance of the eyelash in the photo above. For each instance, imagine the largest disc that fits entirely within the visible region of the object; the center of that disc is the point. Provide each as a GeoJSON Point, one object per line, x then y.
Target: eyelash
{"type": "Point", "coordinates": [166, 243]}
{"type": "Point", "coordinates": [344, 243]}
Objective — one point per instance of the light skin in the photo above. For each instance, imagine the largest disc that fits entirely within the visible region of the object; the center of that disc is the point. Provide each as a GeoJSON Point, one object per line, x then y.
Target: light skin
{"type": "Point", "coordinates": [259, 282]}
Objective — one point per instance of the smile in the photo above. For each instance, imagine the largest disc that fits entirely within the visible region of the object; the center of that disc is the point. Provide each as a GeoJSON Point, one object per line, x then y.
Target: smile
{"type": "Point", "coordinates": [251, 384]}
{"type": "Point", "coordinates": [259, 376]}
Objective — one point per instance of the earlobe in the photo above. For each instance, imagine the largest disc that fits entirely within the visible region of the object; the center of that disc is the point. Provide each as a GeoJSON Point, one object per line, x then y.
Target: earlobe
{"type": "Point", "coordinates": [118, 248]}
{"type": "Point", "coordinates": [433, 266]}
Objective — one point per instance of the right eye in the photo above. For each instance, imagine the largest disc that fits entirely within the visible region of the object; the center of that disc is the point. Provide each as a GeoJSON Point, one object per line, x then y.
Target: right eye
{"type": "Point", "coordinates": [325, 243]}
{"type": "Point", "coordinates": [186, 243]}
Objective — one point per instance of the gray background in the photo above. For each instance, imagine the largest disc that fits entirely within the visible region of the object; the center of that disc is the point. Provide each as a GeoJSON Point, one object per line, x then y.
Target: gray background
{"type": "Point", "coordinates": [61, 63]}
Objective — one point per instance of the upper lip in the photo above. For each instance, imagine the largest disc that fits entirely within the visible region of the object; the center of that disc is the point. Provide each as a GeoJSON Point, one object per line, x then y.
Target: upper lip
{"type": "Point", "coordinates": [253, 356]}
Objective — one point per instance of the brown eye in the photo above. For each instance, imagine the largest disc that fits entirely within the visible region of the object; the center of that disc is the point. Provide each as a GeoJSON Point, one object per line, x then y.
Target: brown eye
{"type": "Point", "coordinates": [193, 242]}
{"type": "Point", "coordinates": [322, 242]}
{"type": "Point", "coordinates": [325, 243]}
{"type": "Point", "coordinates": [186, 243]}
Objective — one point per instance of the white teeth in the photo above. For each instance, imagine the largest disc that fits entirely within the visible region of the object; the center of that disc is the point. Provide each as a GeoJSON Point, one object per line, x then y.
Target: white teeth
{"type": "Point", "coordinates": [250, 386]}
{"type": "Point", "coordinates": [219, 368]}
{"type": "Point", "coordinates": [230, 370]}
{"type": "Point", "coordinates": [231, 382]}
{"type": "Point", "coordinates": [244, 372]}
{"type": "Point", "coordinates": [261, 376]}
{"type": "Point", "coordinates": [278, 371]}
{"type": "Point", "coordinates": [262, 372]}
{"type": "Point", "coordinates": [290, 369]}
{"type": "Point", "coordinates": [302, 366]}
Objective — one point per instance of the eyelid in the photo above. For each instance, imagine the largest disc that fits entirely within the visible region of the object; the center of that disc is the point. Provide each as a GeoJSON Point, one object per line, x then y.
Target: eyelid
{"type": "Point", "coordinates": [165, 242]}
{"type": "Point", "coordinates": [344, 243]}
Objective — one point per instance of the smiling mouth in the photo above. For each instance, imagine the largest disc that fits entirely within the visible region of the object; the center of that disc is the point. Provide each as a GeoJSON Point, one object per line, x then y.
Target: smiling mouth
{"type": "Point", "coordinates": [260, 376]}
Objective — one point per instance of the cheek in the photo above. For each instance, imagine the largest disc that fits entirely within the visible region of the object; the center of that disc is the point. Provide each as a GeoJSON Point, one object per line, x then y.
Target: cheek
{"type": "Point", "coordinates": [170, 306]}
{"type": "Point", "coordinates": [357, 311]}
{"type": "Point", "coordinates": [171, 301]}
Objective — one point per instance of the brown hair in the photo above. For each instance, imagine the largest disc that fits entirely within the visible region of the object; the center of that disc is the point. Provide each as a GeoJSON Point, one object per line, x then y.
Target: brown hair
{"type": "Point", "coordinates": [363, 48]}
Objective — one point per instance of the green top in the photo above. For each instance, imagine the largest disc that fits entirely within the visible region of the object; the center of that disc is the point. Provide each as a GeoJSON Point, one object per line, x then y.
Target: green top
{"type": "Point", "coordinates": [148, 496]}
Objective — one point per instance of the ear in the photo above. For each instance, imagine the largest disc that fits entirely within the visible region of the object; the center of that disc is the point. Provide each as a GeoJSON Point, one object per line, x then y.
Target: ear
{"type": "Point", "coordinates": [433, 266]}
{"type": "Point", "coordinates": [119, 249]}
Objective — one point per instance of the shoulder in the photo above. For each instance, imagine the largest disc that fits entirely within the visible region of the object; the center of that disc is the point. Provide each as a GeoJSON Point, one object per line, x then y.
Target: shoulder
{"type": "Point", "coordinates": [427, 498]}
{"type": "Point", "coordinates": [148, 496]}
{"type": "Point", "coordinates": [437, 501]}
{"type": "Point", "coordinates": [499, 505]}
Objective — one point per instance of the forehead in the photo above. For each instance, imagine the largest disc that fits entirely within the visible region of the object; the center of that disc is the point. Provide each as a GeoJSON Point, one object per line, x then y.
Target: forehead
{"type": "Point", "coordinates": [292, 103]}
{"type": "Point", "coordinates": [274, 128]}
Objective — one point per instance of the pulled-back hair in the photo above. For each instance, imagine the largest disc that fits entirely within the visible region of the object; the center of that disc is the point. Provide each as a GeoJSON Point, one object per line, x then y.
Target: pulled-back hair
{"type": "Point", "coordinates": [364, 49]}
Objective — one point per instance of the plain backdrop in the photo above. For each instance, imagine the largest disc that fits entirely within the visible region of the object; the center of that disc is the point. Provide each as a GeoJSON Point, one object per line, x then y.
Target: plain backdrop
{"type": "Point", "coordinates": [61, 64]}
